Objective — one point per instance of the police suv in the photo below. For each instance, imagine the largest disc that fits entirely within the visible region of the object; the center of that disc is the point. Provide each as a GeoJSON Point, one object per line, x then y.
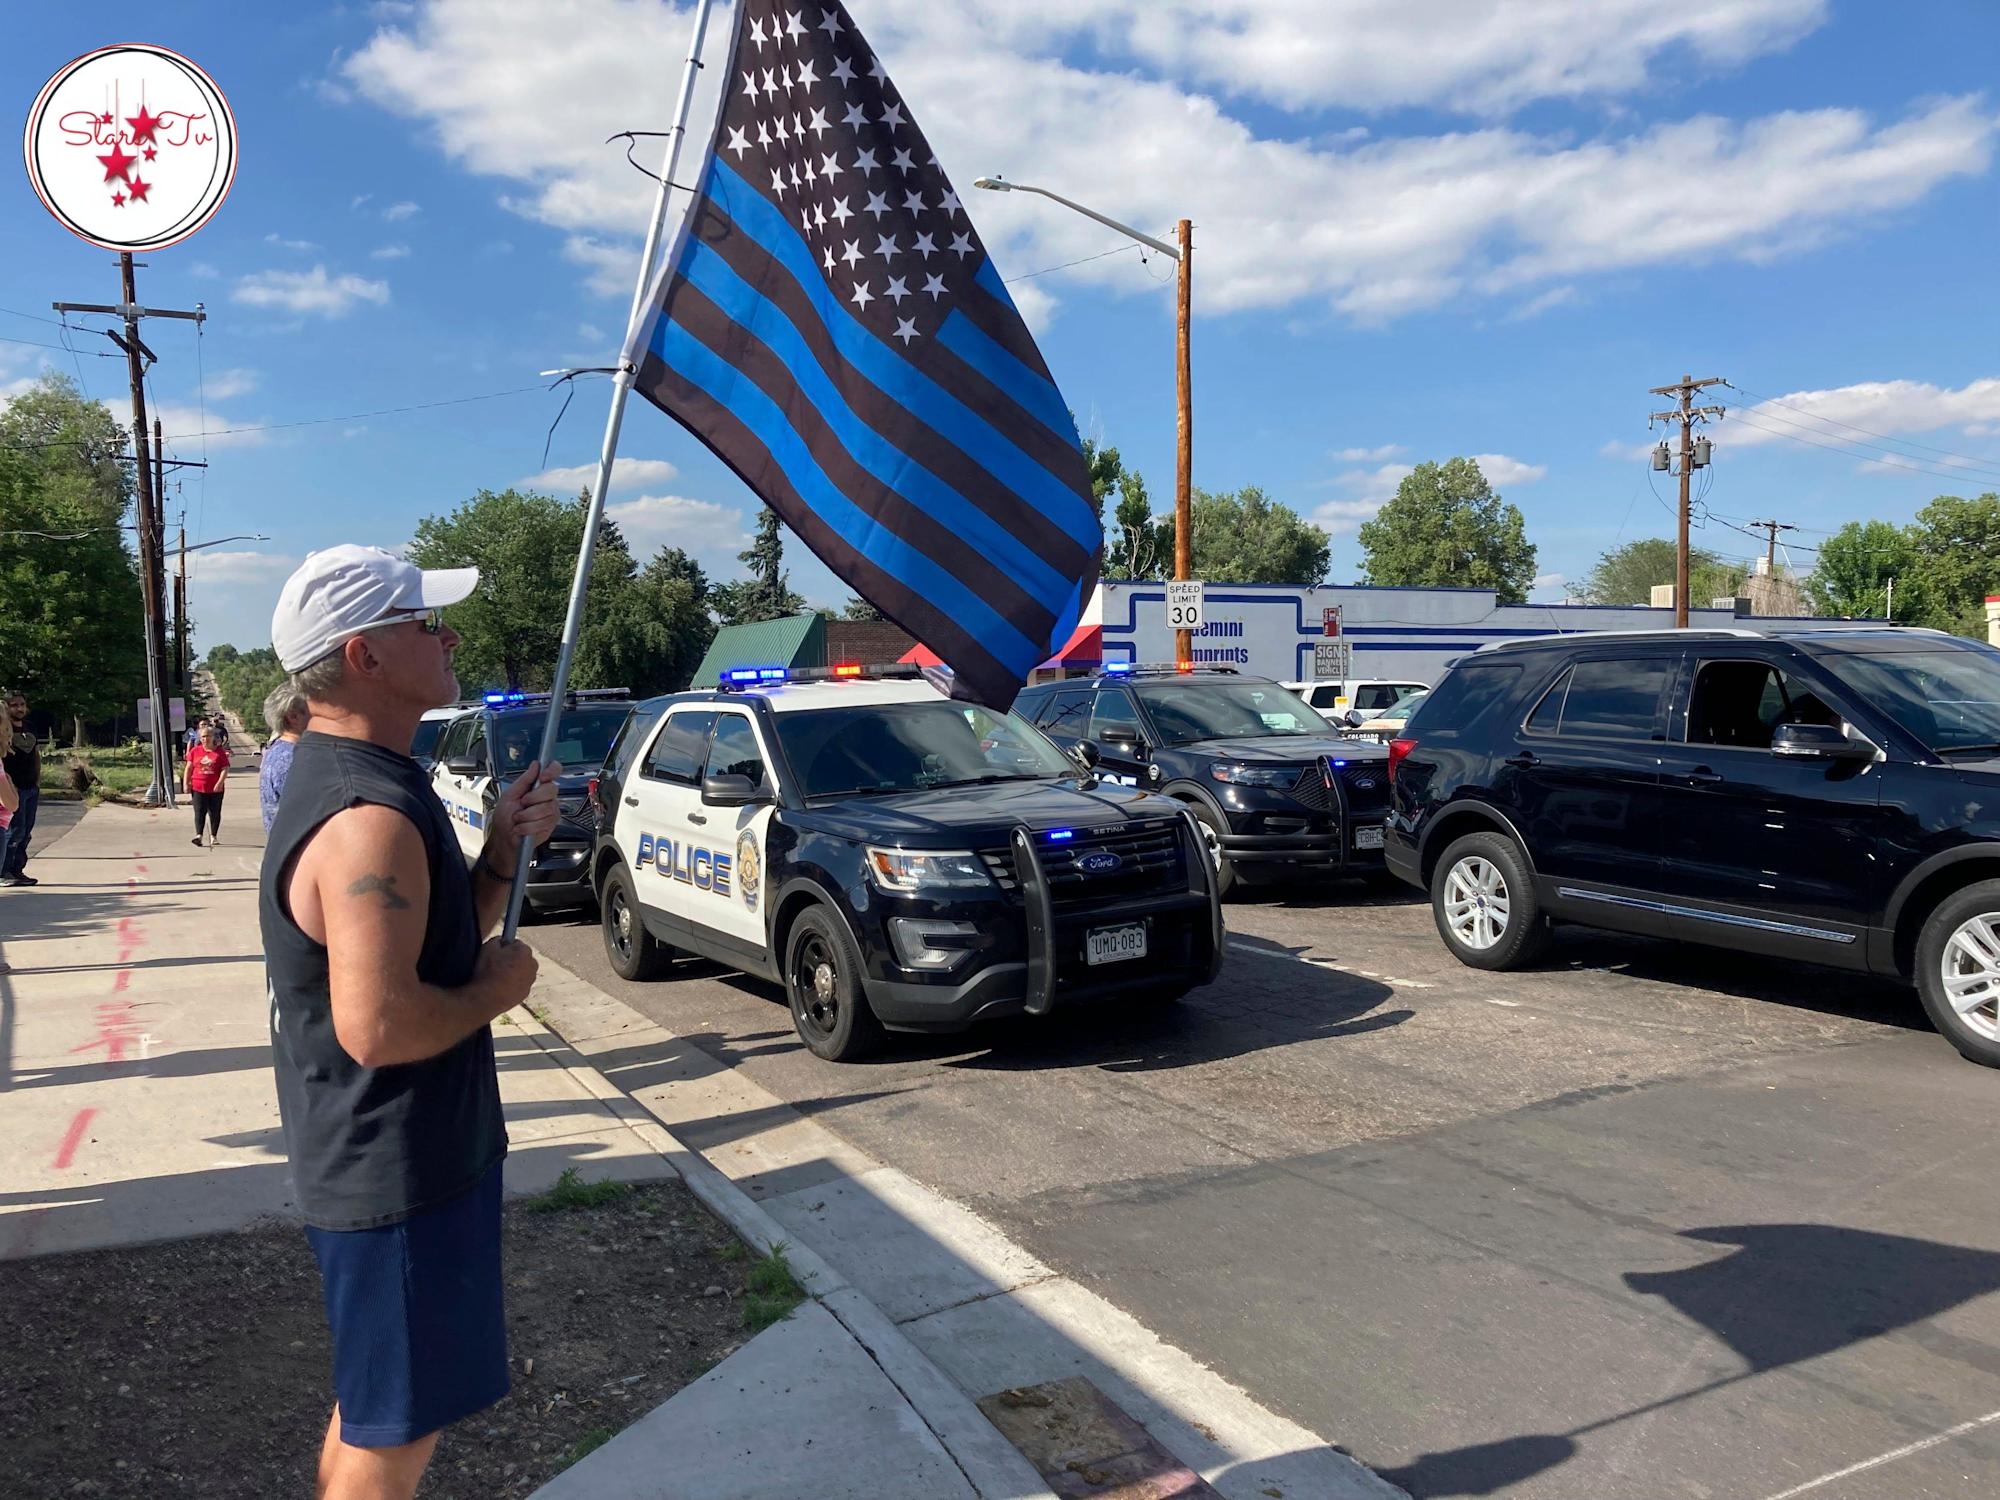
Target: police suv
{"type": "Point", "coordinates": [488, 743]}
{"type": "Point", "coordinates": [894, 858]}
{"type": "Point", "coordinates": [1273, 789]}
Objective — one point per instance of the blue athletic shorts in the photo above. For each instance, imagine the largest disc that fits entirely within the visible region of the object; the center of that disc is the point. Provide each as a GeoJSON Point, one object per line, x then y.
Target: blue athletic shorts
{"type": "Point", "coordinates": [415, 1308]}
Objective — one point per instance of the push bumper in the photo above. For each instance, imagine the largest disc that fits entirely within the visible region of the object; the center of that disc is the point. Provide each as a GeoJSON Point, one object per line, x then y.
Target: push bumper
{"type": "Point", "coordinates": [1319, 853]}
{"type": "Point", "coordinates": [1184, 946]}
{"type": "Point", "coordinates": [559, 876]}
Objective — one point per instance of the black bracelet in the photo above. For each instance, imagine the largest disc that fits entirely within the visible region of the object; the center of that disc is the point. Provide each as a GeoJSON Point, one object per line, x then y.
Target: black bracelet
{"type": "Point", "coordinates": [481, 867]}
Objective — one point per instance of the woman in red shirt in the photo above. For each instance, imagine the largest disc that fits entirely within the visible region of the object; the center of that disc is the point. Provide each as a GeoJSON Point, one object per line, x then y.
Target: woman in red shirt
{"type": "Point", "coordinates": [207, 770]}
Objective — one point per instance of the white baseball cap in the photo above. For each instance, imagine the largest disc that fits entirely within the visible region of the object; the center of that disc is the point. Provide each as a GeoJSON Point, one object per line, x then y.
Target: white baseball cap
{"type": "Point", "coordinates": [342, 591]}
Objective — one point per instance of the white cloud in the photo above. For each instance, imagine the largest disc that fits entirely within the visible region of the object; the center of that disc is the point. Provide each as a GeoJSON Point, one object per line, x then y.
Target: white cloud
{"type": "Point", "coordinates": [1461, 55]}
{"type": "Point", "coordinates": [183, 424]}
{"type": "Point", "coordinates": [310, 291]}
{"type": "Point", "coordinates": [1628, 452]}
{"type": "Point", "coordinates": [357, 200]}
{"type": "Point", "coordinates": [395, 213]}
{"type": "Point", "coordinates": [1534, 307]}
{"type": "Point", "coordinates": [590, 332]}
{"type": "Point", "coordinates": [249, 570]}
{"type": "Point", "coordinates": [1367, 455]}
{"type": "Point", "coordinates": [1502, 471]}
{"type": "Point", "coordinates": [224, 384]}
{"type": "Point", "coordinates": [389, 252]}
{"type": "Point", "coordinates": [204, 270]}
{"type": "Point", "coordinates": [1875, 407]}
{"type": "Point", "coordinates": [711, 532]}
{"type": "Point", "coordinates": [1375, 228]}
{"type": "Point", "coordinates": [1549, 581]}
{"type": "Point", "coordinates": [1368, 490]}
{"type": "Point", "coordinates": [274, 238]}
{"type": "Point", "coordinates": [626, 474]}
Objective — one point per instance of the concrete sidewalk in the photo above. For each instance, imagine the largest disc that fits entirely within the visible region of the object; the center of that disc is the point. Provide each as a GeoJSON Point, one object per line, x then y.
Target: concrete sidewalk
{"type": "Point", "coordinates": [135, 1067]}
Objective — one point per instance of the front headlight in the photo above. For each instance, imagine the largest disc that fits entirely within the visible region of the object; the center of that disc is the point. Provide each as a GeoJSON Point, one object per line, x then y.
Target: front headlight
{"type": "Point", "coordinates": [1242, 775]}
{"type": "Point", "coordinates": [912, 870]}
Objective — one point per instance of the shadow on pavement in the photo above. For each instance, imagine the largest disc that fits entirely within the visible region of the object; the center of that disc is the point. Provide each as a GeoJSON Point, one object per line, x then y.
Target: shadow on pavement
{"type": "Point", "coordinates": [1789, 1293]}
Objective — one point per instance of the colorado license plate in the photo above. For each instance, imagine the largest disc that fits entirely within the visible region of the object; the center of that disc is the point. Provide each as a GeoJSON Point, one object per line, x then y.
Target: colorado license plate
{"type": "Point", "coordinates": [1111, 945]}
{"type": "Point", "coordinates": [1368, 838]}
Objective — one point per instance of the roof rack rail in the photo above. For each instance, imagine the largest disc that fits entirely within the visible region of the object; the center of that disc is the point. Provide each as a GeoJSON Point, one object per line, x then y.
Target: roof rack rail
{"type": "Point", "coordinates": [1681, 633]}
{"type": "Point", "coordinates": [1159, 669]}
{"type": "Point", "coordinates": [741, 679]}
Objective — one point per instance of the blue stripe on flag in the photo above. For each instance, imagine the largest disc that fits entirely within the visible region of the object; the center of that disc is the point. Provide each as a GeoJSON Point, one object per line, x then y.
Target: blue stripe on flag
{"type": "Point", "coordinates": [927, 401]}
{"type": "Point", "coordinates": [679, 350]}
{"type": "Point", "coordinates": [970, 343]}
{"type": "Point", "coordinates": [988, 280]}
{"type": "Point", "coordinates": [716, 279]}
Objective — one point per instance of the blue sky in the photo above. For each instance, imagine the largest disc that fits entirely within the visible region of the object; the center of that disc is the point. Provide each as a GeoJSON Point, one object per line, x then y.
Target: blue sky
{"type": "Point", "coordinates": [1422, 229]}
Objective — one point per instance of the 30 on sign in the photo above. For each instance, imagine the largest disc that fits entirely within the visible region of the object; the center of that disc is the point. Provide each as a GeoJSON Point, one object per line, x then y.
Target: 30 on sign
{"type": "Point", "coordinates": [1184, 605]}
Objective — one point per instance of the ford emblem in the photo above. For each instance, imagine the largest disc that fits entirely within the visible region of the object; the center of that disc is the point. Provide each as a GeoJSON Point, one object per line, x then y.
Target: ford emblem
{"type": "Point", "coordinates": [1099, 862]}
{"type": "Point", "coordinates": [1364, 783]}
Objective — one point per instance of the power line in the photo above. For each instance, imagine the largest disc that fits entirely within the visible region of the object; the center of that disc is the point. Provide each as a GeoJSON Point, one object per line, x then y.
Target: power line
{"type": "Point", "coordinates": [65, 348]}
{"type": "Point", "coordinates": [1972, 464]}
{"type": "Point", "coordinates": [32, 317]}
{"type": "Point", "coordinates": [1911, 467]}
{"type": "Point", "coordinates": [313, 421]}
{"type": "Point", "coordinates": [1051, 270]}
{"type": "Point", "coordinates": [1836, 422]}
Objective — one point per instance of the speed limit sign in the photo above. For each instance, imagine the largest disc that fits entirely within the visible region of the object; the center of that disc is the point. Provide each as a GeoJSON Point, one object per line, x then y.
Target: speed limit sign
{"type": "Point", "coordinates": [1184, 605]}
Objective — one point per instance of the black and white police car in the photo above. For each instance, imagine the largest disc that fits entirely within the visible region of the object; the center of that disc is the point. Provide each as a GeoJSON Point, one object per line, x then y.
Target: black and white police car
{"type": "Point", "coordinates": [488, 743]}
{"type": "Point", "coordinates": [894, 858]}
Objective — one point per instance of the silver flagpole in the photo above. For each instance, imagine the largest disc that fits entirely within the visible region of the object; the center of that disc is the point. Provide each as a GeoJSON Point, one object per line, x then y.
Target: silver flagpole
{"type": "Point", "coordinates": [621, 386]}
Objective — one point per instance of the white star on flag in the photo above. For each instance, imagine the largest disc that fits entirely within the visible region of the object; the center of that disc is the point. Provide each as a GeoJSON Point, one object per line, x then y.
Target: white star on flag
{"type": "Point", "coordinates": [898, 289]}
{"type": "Point", "coordinates": [843, 72]}
{"type": "Point", "coordinates": [830, 24]}
{"type": "Point", "coordinates": [935, 286]}
{"type": "Point", "coordinates": [906, 329]}
{"type": "Point", "coordinates": [877, 205]}
{"type": "Point", "coordinates": [885, 246]}
{"type": "Point", "coordinates": [862, 296]}
{"type": "Point", "coordinates": [739, 141]}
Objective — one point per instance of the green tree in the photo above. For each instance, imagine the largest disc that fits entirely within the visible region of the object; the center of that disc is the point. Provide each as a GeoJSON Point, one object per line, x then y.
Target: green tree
{"type": "Point", "coordinates": [1446, 528]}
{"type": "Point", "coordinates": [1247, 537]}
{"type": "Point", "coordinates": [1956, 564]}
{"type": "Point", "coordinates": [244, 679]}
{"type": "Point", "coordinates": [525, 547]}
{"type": "Point", "coordinates": [1105, 468]}
{"type": "Point", "coordinates": [1855, 566]}
{"type": "Point", "coordinates": [860, 609]}
{"type": "Point", "coordinates": [1137, 544]}
{"type": "Point", "coordinates": [1627, 574]}
{"type": "Point", "coordinates": [653, 631]}
{"type": "Point", "coordinates": [767, 593]}
{"type": "Point", "coordinates": [72, 632]}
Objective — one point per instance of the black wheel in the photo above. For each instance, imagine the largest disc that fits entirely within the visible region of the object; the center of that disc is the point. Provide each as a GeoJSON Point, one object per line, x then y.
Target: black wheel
{"type": "Point", "coordinates": [1212, 830]}
{"type": "Point", "coordinates": [1958, 971]}
{"type": "Point", "coordinates": [823, 985]}
{"type": "Point", "coordinates": [1484, 901]}
{"type": "Point", "coordinates": [634, 952]}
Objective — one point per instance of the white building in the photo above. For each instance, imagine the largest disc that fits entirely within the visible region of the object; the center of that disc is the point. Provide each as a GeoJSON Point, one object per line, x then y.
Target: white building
{"type": "Point", "coordinates": [1279, 630]}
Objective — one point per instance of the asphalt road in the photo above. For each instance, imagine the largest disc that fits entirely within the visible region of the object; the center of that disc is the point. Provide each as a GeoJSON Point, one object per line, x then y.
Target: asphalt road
{"type": "Point", "coordinates": [1648, 1221]}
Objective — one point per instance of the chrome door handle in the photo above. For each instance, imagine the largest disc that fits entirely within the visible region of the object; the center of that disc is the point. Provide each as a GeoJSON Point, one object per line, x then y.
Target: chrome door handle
{"type": "Point", "coordinates": [631, 801]}
{"type": "Point", "coordinates": [701, 818]}
{"type": "Point", "coordinates": [1703, 776]}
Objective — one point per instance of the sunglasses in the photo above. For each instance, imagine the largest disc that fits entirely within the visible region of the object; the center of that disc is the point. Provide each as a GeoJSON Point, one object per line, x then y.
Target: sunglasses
{"type": "Point", "coordinates": [432, 621]}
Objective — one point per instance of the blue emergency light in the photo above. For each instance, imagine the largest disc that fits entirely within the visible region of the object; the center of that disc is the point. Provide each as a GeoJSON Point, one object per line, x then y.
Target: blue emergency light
{"type": "Point", "coordinates": [1058, 835]}
{"type": "Point", "coordinates": [1116, 667]}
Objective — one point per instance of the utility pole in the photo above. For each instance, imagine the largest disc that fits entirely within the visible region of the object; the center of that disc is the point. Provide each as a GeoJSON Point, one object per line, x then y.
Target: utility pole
{"type": "Point", "coordinates": [1771, 546]}
{"type": "Point", "coordinates": [152, 533]}
{"type": "Point", "coordinates": [181, 610]}
{"type": "Point", "coordinates": [1889, 610]}
{"type": "Point", "coordinates": [1687, 414]}
{"type": "Point", "coordinates": [1184, 434]}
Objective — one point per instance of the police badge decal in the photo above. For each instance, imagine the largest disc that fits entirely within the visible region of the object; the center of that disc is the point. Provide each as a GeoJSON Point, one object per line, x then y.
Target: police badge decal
{"type": "Point", "coordinates": [131, 147]}
{"type": "Point", "coordinates": [749, 869]}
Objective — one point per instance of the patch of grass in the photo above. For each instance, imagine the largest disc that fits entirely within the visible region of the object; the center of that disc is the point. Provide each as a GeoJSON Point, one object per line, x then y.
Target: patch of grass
{"type": "Point", "coordinates": [770, 1291]}
{"type": "Point", "coordinates": [123, 768]}
{"type": "Point", "coordinates": [571, 1191]}
{"type": "Point", "coordinates": [586, 1445]}
{"type": "Point", "coordinates": [734, 1250]}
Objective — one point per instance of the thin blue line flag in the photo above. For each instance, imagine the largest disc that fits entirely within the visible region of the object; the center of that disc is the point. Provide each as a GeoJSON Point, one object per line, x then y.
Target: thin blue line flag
{"type": "Point", "coordinates": [830, 326]}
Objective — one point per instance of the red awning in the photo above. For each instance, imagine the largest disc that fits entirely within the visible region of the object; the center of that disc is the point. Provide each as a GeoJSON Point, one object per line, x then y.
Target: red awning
{"type": "Point", "coordinates": [1084, 648]}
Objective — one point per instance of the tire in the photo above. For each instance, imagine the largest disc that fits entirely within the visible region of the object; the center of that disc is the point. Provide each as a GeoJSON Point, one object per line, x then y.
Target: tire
{"type": "Point", "coordinates": [1212, 830]}
{"type": "Point", "coordinates": [1483, 900]}
{"type": "Point", "coordinates": [1958, 971]}
{"type": "Point", "coordinates": [823, 986]}
{"type": "Point", "coordinates": [634, 952]}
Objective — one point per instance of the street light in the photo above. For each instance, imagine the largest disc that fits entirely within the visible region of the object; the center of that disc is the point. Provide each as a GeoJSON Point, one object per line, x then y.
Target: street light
{"type": "Point", "coordinates": [196, 547]}
{"type": "Point", "coordinates": [180, 593]}
{"type": "Point", "coordinates": [1184, 446]}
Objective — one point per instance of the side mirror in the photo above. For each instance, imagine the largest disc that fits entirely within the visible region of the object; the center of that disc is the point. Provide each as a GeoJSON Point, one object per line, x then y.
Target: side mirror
{"type": "Point", "coordinates": [731, 791]}
{"type": "Point", "coordinates": [1355, 718]}
{"type": "Point", "coordinates": [464, 765]}
{"type": "Point", "coordinates": [1818, 742]}
{"type": "Point", "coordinates": [1125, 737]}
{"type": "Point", "coordinates": [1087, 752]}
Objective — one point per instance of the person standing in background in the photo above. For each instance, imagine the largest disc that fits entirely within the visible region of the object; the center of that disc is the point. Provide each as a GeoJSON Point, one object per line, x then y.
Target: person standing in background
{"type": "Point", "coordinates": [23, 763]}
{"type": "Point", "coordinates": [286, 713]}
{"type": "Point", "coordinates": [207, 770]}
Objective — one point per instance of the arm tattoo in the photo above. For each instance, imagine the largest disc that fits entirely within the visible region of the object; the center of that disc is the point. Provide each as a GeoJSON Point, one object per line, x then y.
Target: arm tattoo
{"type": "Point", "coordinates": [386, 885]}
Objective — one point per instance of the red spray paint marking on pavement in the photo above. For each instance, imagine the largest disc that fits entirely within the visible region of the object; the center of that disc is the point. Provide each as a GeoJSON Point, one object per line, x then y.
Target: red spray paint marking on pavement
{"type": "Point", "coordinates": [72, 1138]}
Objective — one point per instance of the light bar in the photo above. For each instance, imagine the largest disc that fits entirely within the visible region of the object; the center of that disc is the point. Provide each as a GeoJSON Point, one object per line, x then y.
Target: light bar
{"type": "Point", "coordinates": [848, 669]}
{"type": "Point", "coordinates": [1061, 835]}
{"type": "Point", "coordinates": [1117, 668]}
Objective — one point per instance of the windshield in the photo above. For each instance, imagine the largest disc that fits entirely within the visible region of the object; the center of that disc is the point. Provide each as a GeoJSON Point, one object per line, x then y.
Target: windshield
{"type": "Point", "coordinates": [582, 737]}
{"type": "Point", "coordinates": [908, 747]}
{"type": "Point", "coordinates": [1227, 710]}
{"type": "Point", "coordinates": [1948, 699]}
{"type": "Point", "coordinates": [429, 731]}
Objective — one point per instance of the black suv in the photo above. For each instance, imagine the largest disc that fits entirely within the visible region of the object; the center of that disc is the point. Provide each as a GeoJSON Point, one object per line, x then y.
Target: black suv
{"type": "Point", "coordinates": [1828, 794]}
{"type": "Point", "coordinates": [1274, 791]}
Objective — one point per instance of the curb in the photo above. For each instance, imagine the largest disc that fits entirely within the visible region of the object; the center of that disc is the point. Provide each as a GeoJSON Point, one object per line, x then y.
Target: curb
{"type": "Point", "coordinates": [991, 1465]}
